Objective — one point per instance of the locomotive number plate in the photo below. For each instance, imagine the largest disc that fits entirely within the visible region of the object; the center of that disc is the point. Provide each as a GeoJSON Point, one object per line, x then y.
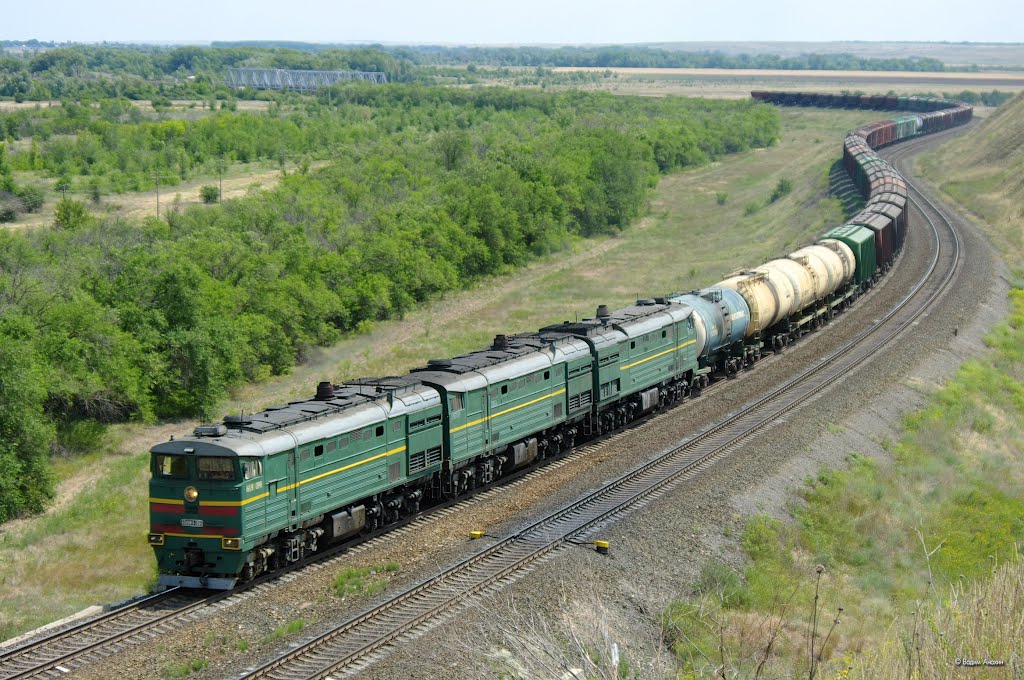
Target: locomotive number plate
{"type": "Point", "coordinates": [191, 522]}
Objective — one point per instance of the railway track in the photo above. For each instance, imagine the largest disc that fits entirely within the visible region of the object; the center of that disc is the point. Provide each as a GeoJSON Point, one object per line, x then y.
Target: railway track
{"type": "Point", "coordinates": [358, 642]}
{"type": "Point", "coordinates": [61, 651]}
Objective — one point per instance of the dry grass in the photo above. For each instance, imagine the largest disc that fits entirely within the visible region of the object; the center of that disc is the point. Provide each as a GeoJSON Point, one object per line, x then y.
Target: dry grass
{"type": "Point", "coordinates": [88, 551]}
{"type": "Point", "coordinates": [956, 630]}
{"type": "Point", "coordinates": [992, 54]}
{"type": "Point", "coordinates": [586, 642]}
{"type": "Point", "coordinates": [738, 83]}
{"type": "Point", "coordinates": [876, 76]}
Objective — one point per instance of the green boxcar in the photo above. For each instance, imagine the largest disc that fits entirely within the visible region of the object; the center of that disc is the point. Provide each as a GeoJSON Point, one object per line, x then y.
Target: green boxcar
{"type": "Point", "coordinates": [907, 126]}
{"type": "Point", "coordinates": [861, 241]}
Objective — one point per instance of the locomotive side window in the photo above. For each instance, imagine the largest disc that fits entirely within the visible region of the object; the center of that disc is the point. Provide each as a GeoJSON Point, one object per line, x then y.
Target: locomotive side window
{"type": "Point", "coordinates": [215, 468]}
{"type": "Point", "coordinates": [251, 468]}
{"type": "Point", "coordinates": [175, 467]}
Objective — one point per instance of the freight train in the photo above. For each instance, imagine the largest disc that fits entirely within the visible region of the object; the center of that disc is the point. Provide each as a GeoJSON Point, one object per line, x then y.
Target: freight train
{"type": "Point", "coordinates": [261, 490]}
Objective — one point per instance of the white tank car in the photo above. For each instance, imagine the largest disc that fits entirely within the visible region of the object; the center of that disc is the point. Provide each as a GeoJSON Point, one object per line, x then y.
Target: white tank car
{"type": "Point", "coordinates": [769, 296]}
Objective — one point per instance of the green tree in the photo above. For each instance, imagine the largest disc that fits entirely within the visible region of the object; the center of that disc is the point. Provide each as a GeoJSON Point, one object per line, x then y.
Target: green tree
{"type": "Point", "coordinates": [71, 214]}
{"type": "Point", "coordinates": [26, 482]}
{"type": "Point", "coordinates": [209, 193]}
{"type": "Point", "coordinates": [453, 147]}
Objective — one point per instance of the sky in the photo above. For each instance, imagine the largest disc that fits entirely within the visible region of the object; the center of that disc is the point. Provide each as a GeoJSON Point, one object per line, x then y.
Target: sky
{"type": "Point", "coordinates": [517, 22]}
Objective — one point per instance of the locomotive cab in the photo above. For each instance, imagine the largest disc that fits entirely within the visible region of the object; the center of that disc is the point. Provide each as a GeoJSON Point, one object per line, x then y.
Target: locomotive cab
{"type": "Point", "coordinates": [198, 496]}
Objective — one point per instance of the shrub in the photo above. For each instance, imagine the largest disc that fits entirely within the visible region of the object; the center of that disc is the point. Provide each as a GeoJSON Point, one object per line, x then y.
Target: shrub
{"type": "Point", "coordinates": [31, 198]}
{"type": "Point", "coordinates": [721, 197]}
{"type": "Point", "coordinates": [71, 214]}
{"type": "Point", "coordinates": [209, 193]}
{"type": "Point", "coordinates": [784, 186]}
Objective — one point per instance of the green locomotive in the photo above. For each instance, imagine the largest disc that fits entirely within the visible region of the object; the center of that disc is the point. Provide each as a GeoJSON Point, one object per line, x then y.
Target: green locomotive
{"type": "Point", "coordinates": [259, 491]}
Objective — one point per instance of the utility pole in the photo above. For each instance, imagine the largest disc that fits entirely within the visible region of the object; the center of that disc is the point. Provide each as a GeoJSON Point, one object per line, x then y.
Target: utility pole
{"type": "Point", "coordinates": [220, 179]}
{"type": "Point", "coordinates": [157, 177]}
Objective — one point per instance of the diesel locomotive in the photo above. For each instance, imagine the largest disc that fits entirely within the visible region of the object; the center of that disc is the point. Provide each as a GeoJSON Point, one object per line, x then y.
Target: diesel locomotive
{"type": "Point", "coordinates": [243, 497]}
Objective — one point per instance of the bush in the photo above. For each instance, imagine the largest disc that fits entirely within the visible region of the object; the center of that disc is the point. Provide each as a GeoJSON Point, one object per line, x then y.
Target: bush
{"type": "Point", "coordinates": [7, 212]}
{"type": "Point", "coordinates": [31, 198]}
{"type": "Point", "coordinates": [721, 197]}
{"type": "Point", "coordinates": [784, 186]}
{"type": "Point", "coordinates": [209, 194]}
{"type": "Point", "coordinates": [71, 214]}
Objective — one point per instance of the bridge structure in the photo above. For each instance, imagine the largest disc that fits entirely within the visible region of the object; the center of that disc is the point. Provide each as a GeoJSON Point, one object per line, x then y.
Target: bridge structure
{"type": "Point", "coordinates": [299, 81]}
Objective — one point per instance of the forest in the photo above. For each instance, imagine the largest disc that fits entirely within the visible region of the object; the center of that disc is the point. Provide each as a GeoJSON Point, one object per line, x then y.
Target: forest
{"type": "Point", "coordinates": [426, 190]}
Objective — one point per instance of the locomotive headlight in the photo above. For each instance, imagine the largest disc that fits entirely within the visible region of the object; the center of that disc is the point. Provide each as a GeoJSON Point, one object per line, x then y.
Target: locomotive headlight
{"type": "Point", "coordinates": [230, 543]}
{"type": "Point", "coordinates": [156, 539]}
{"type": "Point", "coordinates": [191, 493]}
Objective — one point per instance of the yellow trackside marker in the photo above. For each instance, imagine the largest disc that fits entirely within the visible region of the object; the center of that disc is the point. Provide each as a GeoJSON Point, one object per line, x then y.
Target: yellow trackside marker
{"type": "Point", "coordinates": [476, 533]}
{"type": "Point", "coordinates": [601, 547]}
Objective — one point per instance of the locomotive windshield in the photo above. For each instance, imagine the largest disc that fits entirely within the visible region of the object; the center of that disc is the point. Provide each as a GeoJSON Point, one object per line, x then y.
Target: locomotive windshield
{"type": "Point", "coordinates": [175, 467]}
{"type": "Point", "coordinates": [209, 468]}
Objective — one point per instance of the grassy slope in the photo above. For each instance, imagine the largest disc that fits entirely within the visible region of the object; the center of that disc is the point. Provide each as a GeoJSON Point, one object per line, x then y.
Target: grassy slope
{"type": "Point", "coordinates": [56, 564]}
{"type": "Point", "coordinates": [984, 172]}
{"type": "Point", "coordinates": [910, 551]}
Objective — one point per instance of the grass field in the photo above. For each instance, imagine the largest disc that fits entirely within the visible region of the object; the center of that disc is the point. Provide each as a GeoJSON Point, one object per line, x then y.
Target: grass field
{"type": "Point", "coordinates": [238, 178]}
{"type": "Point", "coordinates": [981, 54]}
{"type": "Point", "coordinates": [737, 83]}
{"type": "Point", "coordinates": [58, 563]}
{"type": "Point", "coordinates": [984, 173]}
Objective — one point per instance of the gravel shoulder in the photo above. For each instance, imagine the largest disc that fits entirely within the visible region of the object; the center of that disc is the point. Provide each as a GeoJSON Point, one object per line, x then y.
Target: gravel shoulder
{"type": "Point", "coordinates": [657, 551]}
